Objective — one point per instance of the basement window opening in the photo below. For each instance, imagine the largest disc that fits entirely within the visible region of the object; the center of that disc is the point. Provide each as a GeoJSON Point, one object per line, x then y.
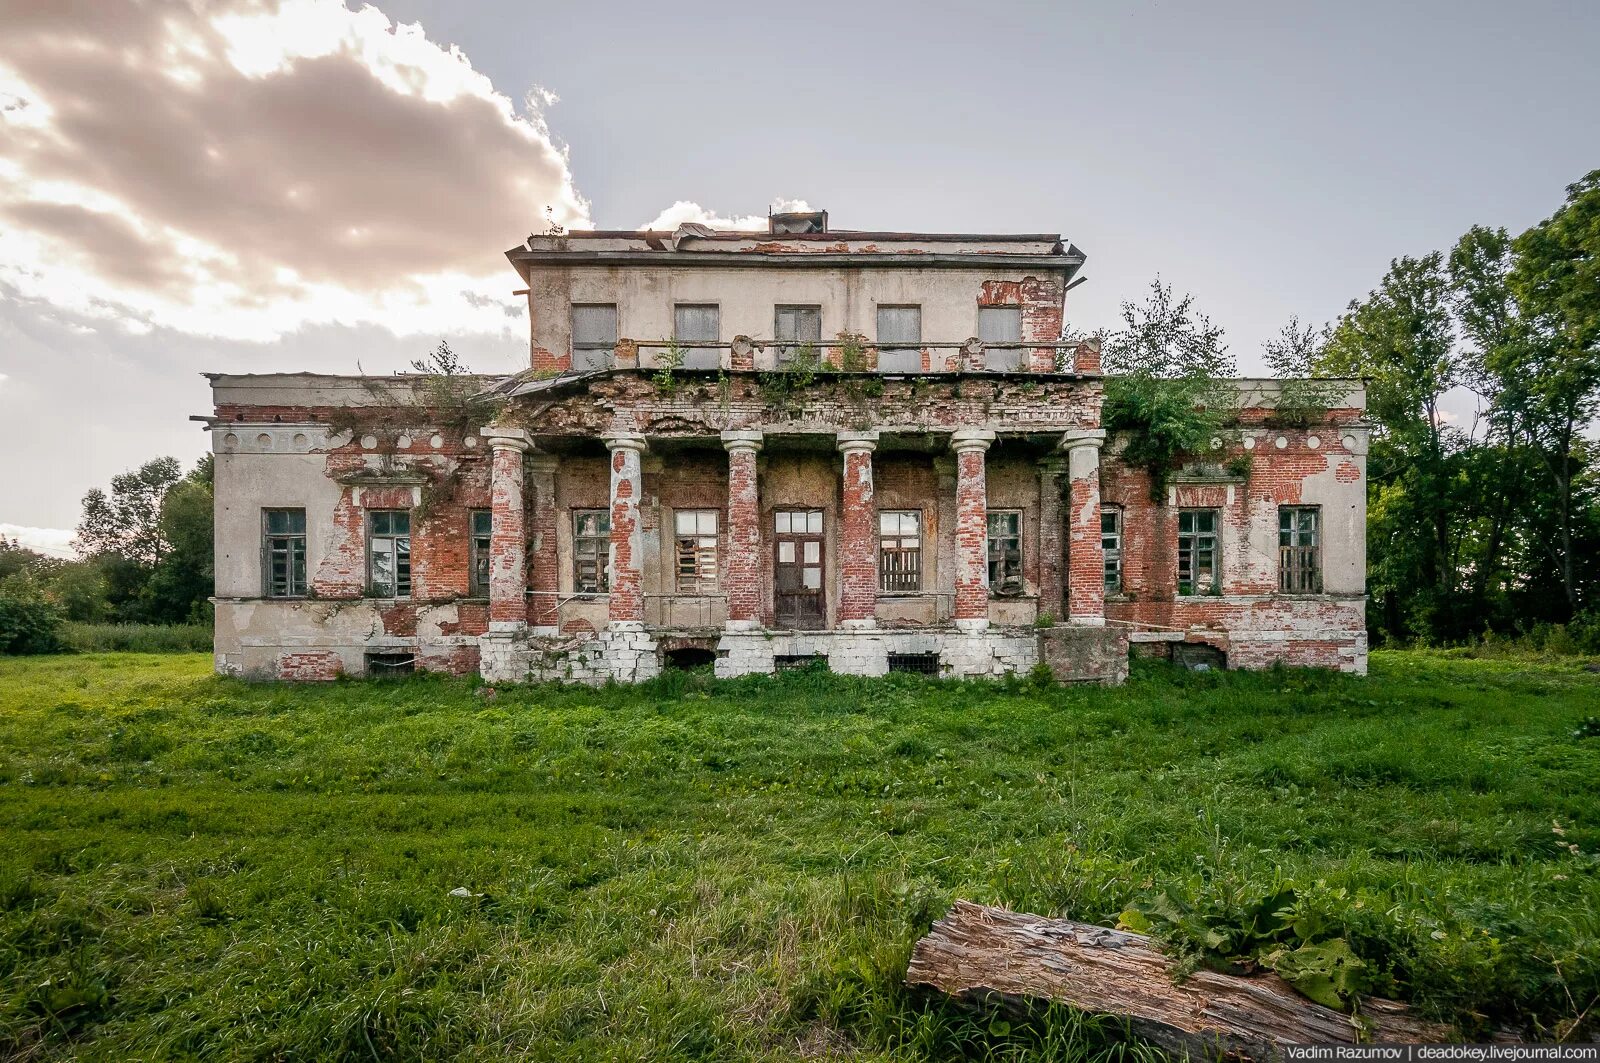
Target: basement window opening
{"type": "Point", "coordinates": [915, 663]}
{"type": "Point", "coordinates": [390, 665]}
{"type": "Point", "coordinates": [796, 662]}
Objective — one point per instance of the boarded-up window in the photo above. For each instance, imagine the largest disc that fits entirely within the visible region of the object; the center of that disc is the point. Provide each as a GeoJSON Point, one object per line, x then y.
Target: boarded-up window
{"type": "Point", "coordinates": [1005, 554]}
{"type": "Point", "coordinates": [1111, 547]}
{"type": "Point", "coordinates": [389, 553]}
{"type": "Point", "coordinates": [698, 323]}
{"type": "Point", "coordinates": [897, 326]}
{"type": "Point", "coordinates": [697, 550]}
{"type": "Point", "coordinates": [1299, 550]}
{"type": "Point", "coordinates": [283, 552]}
{"type": "Point", "coordinates": [591, 551]}
{"type": "Point", "coordinates": [1197, 551]}
{"type": "Point", "coordinates": [794, 327]}
{"type": "Point", "coordinates": [1001, 324]}
{"type": "Point", "coordinates": [594, 335]}
{"type": "Point", "coordinates": [900, 551]}
{"type": "Point", "coordinates": [482, 533]}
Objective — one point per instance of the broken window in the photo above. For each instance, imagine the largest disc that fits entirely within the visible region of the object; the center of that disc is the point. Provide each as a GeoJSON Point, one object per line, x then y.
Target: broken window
{"type": "Point", "coordinates": [482, 535]}
{"type": "Point", "coordinates": [1299, 550]}
{"type": "Point", "coordinates": [899, 551]}
{"type": "Point", "coordinates": [899, 325]}
{"type": "Point", "coordinates": [794, 327]}
{"type": "Point", "coordinates": [389, 553]}
{"type": "Point", "coordinates": [1001, 324]}
{"type": "Point", "coordinates": [698, 323]}
{"type": "Point", "coordinates": [1197, 552]}
{"type": "Point", "coordinates": [1111, 546]}
{"type": "Point", "coordinates": [594, 335]}
{"type": "Point", "coordinates": [591, 551]}
{"type": "Point", "coordinates": [697, 550]}
{"type": "Point", "coordinates": [283, 552]}
{"type": "Point", "coordinates": [1005, 554]}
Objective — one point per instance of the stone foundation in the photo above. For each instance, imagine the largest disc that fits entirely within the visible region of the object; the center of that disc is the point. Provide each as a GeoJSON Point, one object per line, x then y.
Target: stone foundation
{"type": "Point", "coordinates": [1085, 653]}
{"type": "Point", "coordinates": [990, 653]}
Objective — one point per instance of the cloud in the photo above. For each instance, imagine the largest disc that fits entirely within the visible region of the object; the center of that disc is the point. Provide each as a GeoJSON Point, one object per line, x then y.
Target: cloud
{"type": "Point", "coordinates": [54, 542]}
{"type": "Point", "coordinates": [688, 211]}
{"type": "Point", "coordinates": [243, 169]}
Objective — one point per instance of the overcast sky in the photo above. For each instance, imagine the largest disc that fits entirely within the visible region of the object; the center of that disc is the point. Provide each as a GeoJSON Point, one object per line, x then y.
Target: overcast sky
{"type": "Point", "coordinates": [253, 188]}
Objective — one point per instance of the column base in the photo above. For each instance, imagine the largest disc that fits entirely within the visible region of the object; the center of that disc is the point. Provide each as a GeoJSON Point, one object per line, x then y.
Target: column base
{"type": "Point", "coordinates": [972, 625]}
{"type": "Point", "coordinates": [741, 625]}
{"type": "Point", "coordinates": [1087, 621]}
{"type": "Point", "coordinates": [859, 624]}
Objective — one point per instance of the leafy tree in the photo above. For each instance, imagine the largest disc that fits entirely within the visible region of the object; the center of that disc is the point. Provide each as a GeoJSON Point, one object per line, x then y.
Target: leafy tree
{"type": "Point", "coordinates": [127, 522]}
{"type": "Point", "coordinates": [181, 585]}
{"type": "Point", "coordinates": [1166, 394]}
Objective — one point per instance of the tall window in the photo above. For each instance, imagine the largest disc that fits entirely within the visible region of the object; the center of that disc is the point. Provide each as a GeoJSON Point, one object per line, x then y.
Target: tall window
{"type": "Point", "coordinates": [698, 323]}
{"type": "Point", "coordinates": [389, 553]}
{"type": "Point", "coordinates": [900, 325]}
{"type": "Point", "coordinates": [283, 552]}
{"type": "Point", "coordinates": [697, 550]}
{"type": "Point", "coordinates": [899, 551]}
{"type": "Point", "coordinates": [795, 326]}
{"type": "Point", "coordinates": [482, 534]}
{"type": "Point", "coordinates": [1005, 554]}
{"type": "Point", "coordinates": [591, 551]}
{"type": "Point", "coordinates": [1299, 550]}
{"type": "Point", "coordinates": [1197, 551]}
{"type": "Point", "coordinates": [1001, 324]}
{"type": "Point", "coordinates": [1111, 546]}
{"type": "Point", "coordinates": [594, 335]}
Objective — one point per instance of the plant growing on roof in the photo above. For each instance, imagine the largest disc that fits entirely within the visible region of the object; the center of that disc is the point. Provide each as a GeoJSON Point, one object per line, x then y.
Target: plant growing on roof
{"type": "Point", "coordinates": [1168, 396]}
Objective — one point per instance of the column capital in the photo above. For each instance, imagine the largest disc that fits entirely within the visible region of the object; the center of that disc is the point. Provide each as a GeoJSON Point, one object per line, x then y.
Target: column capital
{"type": "Point", "coordinates": [1083, 437]}
{"type": "Point", "coordinates": [626, 442]}
{"type": "Point", "coordinates": [742, 439]}
{"type": "Point", "coordinates": [963, 439]}
{"type": "Point", "coordinates": [503, 437]}
{"type": "Point", "coordinates": [849, 441]}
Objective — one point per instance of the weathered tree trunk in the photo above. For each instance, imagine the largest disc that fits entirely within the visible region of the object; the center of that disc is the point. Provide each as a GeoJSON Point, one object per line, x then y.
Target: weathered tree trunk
{"type": "Point", "coordinates": [989, 955]}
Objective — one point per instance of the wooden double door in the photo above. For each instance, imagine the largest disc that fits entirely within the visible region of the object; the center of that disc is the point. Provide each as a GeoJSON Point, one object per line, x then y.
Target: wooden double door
{"type": "Point", "coordinates": [799, 569]}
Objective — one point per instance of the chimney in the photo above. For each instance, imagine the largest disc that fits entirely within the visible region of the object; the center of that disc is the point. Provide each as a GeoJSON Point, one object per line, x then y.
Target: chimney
{"type": "Point", "coordinates": [812, 221]}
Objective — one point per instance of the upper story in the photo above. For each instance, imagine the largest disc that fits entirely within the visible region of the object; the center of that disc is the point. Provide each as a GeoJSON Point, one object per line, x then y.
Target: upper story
{"type": "Point", "coordinates": [906, 303]}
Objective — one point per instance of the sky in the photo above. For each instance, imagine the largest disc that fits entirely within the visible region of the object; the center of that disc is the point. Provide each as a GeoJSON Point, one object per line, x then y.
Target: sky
{"type": "Point", "coordinates": [256, 186]}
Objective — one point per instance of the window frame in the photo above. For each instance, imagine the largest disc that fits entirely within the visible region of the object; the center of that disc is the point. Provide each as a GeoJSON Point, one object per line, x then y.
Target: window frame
{"type": "Point", "coordinates": [892, 577]}
{"type": "Point", "coordinates": [1293, 557]}
{"type": "Point", "coordinates": [996, 588]}
{"type": "Point", "coordinates": [601, 555]}
{"type": "Point", "coordinates": [785, 347]}
{"type": "Point", "coordinates": [699, 357]}
{"type": "Point", "coordinates": [692, 546]}
{"type": "Point", "coordinates": [1014, 354]}
{"type": "Point", "coordinates": [402, 585]}
{"type": "Point", "coordinates": [479, 554]}
{"type": "Point", "coordinates": [1112, 557]}
{"type": "Point", "coordinates": [268, 540]}
{"type": "Point", "coordinates": [610, 349]}
{"type": "Point", "coordinates": [897, 347]}
{"type": "Point", "coordinates": [1195, 536]}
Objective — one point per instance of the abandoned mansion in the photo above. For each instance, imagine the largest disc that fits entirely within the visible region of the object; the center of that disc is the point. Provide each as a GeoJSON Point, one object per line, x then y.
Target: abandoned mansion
{"type": "Point", "coordinates": [870, 450]}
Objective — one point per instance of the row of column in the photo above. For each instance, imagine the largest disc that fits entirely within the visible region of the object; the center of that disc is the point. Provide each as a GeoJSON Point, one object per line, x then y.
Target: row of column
{"type": "Point", "coordinates": [858, 541]}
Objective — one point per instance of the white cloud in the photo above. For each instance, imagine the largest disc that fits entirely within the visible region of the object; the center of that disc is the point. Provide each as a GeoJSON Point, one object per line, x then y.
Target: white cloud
{"type": "Point", "coordinates": [56, 542]}
{"type": "Point", "coordinates": [244, 169]}
{"type": "Point", "coordinates": [688, 211]}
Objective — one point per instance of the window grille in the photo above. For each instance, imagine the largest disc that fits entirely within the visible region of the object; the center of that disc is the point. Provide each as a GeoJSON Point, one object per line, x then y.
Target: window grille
{"type": "Point", "coordinates": [899, 551]}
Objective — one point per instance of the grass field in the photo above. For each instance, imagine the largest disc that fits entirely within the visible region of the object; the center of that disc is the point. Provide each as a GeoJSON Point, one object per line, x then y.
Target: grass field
{"type": "Point", "coordinates": [426, 868]}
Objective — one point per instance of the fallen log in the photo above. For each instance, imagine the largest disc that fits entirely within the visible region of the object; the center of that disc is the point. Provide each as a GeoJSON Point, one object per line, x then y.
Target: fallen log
{"type": "Point", "coordinates": [983, 955]}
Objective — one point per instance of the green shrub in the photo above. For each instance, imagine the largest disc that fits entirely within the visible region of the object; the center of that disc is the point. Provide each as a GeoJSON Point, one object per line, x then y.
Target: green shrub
{"type": "Point", "coordinates": [28, 625]}
{"type": "Point", "coordinates": [137, 638]}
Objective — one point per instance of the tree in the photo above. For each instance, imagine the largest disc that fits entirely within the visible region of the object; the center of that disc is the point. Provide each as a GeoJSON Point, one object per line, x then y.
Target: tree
{"type": "Point", "coordinates": [180, 588]}
{"type": "Point", "coordinates": [127, 523]}
{"type": "Point", "coordinates": [1552, 372]}
{"type": "Point", "coordinates": [1166, 394]}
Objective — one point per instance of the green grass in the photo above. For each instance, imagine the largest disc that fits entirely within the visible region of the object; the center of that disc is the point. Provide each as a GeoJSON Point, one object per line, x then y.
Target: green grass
{"type": "Point", "coordinates": [204, 868]}
{"type": "Point", "coordinates": [136, 638]}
